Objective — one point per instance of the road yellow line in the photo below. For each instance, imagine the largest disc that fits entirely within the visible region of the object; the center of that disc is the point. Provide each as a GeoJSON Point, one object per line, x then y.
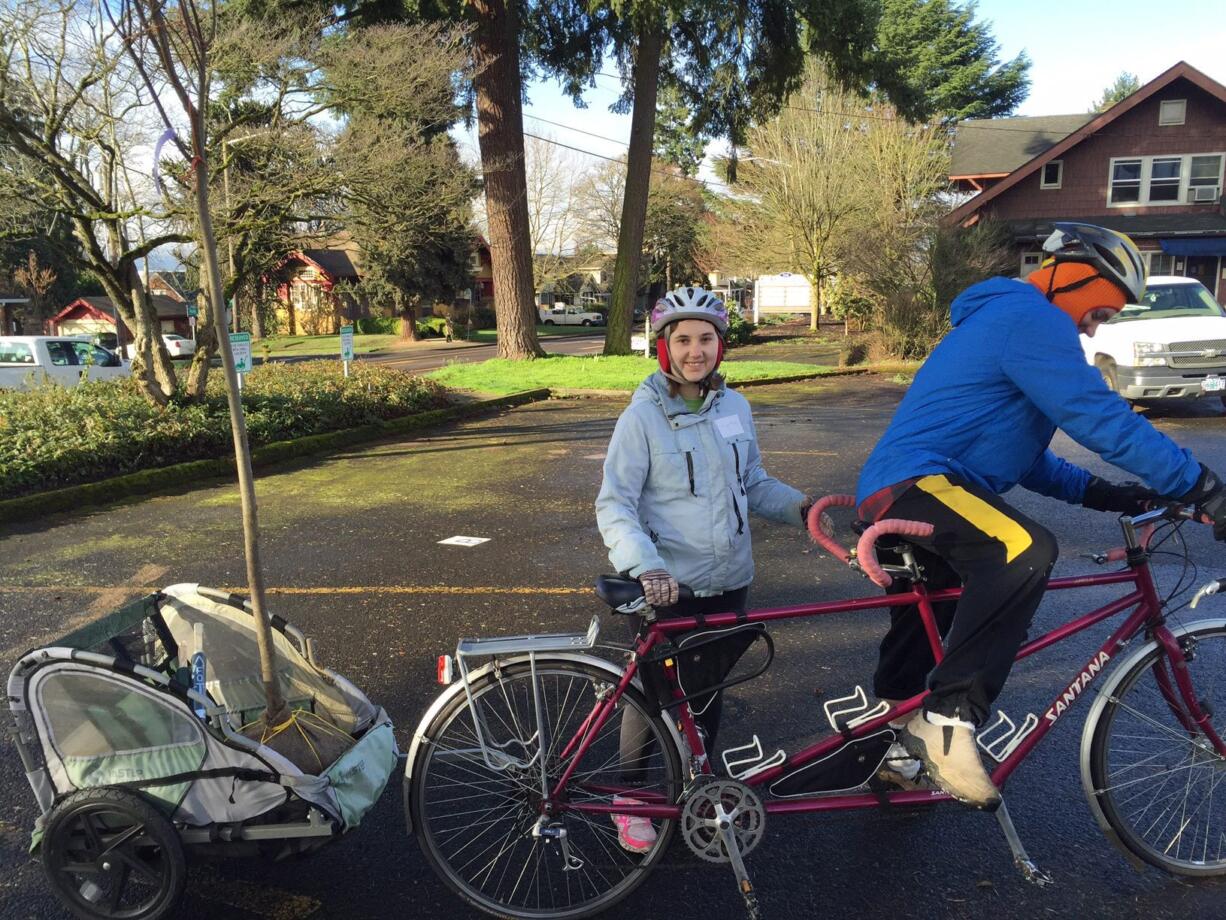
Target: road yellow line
{"type": "Point", "coordinates": [317, 589]}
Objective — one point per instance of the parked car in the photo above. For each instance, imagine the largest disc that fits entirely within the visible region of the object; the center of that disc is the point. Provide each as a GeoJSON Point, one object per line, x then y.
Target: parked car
{"type": "Point", "coordinates": [179, 346]}
{"type": "Point", "coordinates": [1171, 345]}
{"type": "Point", "coordinates": [27, 360]}
{"type": "Point", "coordinates": [562, 314]}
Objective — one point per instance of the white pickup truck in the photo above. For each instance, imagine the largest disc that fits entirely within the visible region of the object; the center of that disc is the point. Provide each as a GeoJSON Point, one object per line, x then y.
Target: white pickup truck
{"type": "Point", "coordinates": [1171, 345]}
{"type": "Point", "coordinates": [562, 314]}
{"type": "Point", "coordinates": [27, 360]}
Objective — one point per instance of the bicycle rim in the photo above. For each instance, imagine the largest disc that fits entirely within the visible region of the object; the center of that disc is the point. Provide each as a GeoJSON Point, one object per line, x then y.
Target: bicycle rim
{"type": "Point", "coordinates": [1160, 786]}
{"type": "Point", "coordinates": [476, 823]}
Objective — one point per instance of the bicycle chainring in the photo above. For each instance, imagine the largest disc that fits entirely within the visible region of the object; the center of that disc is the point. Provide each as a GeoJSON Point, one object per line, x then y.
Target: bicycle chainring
{"type": "Point", "coordinates": [718, 798]}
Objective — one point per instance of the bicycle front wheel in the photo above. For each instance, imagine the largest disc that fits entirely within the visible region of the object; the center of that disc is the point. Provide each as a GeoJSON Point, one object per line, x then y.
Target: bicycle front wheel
{"type": "Point", "coordinates": [1156, 779]}
{"type": "Point", "coordinates": [479, 827]}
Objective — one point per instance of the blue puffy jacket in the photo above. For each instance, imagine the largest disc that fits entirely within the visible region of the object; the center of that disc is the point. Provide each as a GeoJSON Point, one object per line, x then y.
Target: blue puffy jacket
{"type": "Point", "coordinates": [986, 403]}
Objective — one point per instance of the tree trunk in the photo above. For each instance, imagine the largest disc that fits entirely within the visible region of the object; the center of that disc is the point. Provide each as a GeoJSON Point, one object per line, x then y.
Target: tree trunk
{"type": "Point", "coordinates": [206, 343]}
{"type": "Point", "coordinates": [161, 368]}
{"type": "Point", "coordinates": [500, 133]}
{"type": "Point", "coordinates": [276, 710]}
{"type": "Point", "coordinates": [408, 318]}
{"type": "Point", "coordinates": [638, 182]}
{"type": "Point", "coordinates": [257, 318]}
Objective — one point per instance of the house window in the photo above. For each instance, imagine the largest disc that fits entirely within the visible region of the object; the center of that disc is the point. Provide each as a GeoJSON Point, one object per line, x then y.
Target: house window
{"type": "Point", "coordinates": [1161, 263]}
{"type": "Point", "coordinates": [1125, 181]}
{"type": "Point", "coordinates": [1172, 111]}
{"type": "Point", "coordinates": [1030, 262]}
{"type": "Point", "coordinates": [1053, 173]}
{"type": "Point", "coordinates": [1187, 179]}
{"type": "Point", "coordinates": [1205, 181]}
{"type": "Point", "coordinates": [1164, 178]}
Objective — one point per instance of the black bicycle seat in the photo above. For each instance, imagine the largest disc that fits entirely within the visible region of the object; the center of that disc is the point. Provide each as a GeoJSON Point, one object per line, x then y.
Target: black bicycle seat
{"type": "Point", "coordinates": [616, 590]}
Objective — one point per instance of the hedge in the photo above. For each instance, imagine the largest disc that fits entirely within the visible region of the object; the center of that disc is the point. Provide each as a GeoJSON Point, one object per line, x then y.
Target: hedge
{"type": "Point", "coordinates": [51, 437]}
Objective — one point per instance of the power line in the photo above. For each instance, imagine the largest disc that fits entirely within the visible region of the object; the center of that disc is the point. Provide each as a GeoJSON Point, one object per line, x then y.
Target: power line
{"type": "Point", "coordinates": [591, 153]}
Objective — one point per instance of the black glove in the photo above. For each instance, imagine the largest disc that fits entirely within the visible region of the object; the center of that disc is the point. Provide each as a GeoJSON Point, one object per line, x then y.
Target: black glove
{"type": "Point", "coordinates": [1209, 497]}
{"type": "Point", "coordinates": [1126, 498]}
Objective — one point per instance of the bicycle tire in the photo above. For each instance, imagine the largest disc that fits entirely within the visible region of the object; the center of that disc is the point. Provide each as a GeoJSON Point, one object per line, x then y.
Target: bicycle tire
{"type": "Point", "coordinates": [609, 873]}
{"type": "Point", "coordinates": [1155, 782]}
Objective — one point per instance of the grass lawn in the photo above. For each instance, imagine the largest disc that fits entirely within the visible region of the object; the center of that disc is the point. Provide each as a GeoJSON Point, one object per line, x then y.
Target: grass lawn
{"type": "Point", "coordinates": [594, 373]}
{"type": "Point", "coordinates": [289, 345]}
{"type": "Point", "coordinates": [491, 335]}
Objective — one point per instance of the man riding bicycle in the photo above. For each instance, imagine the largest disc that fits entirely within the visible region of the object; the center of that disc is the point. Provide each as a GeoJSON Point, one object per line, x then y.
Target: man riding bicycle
{"type": "Point", "coordinates": [976, 421]}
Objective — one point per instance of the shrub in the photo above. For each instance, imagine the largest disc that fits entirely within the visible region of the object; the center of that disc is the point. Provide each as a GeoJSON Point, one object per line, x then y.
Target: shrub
{"type": "Point", "coordinates": [432, 325]}
{"type": "Point", "coordinates": [378, 325]}
{"type": "Point", "coordinates": [740, 330]}
{"type": "Point", "coordinates": [852, 353]}
{"type": "Point", "coordinates": [52, 437]}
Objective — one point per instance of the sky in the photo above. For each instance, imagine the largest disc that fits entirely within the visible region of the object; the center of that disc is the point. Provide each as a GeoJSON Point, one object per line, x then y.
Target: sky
{"type": "Point", "coordinates": [1076, 47]}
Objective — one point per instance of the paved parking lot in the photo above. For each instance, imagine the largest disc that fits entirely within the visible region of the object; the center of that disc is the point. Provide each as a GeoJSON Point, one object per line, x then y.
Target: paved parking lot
{"type": "Point", "coordinates": [351, 551]}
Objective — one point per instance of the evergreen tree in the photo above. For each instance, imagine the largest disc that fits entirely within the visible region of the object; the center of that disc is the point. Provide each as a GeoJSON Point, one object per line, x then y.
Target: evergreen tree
{"type": "Point", "coordinates": [1124, 86]}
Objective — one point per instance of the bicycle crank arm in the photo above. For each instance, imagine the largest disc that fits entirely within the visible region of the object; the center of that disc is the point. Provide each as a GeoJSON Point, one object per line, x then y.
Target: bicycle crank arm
{"type": "Point", "coordinates": [1030, 872]}
{"type": "Point", "coordinates": [744, 885]}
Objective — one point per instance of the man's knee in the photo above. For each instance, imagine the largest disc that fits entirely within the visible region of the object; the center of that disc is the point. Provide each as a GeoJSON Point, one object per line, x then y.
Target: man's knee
{"type": "Point", "coordinates": [1043, 550]}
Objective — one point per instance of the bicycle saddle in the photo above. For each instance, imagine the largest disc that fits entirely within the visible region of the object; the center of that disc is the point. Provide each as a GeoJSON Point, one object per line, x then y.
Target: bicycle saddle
{"type": "Point", "coordinates": [617, 590]}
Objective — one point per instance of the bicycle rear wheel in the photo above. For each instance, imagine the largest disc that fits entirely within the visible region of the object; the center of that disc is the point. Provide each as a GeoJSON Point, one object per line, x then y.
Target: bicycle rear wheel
{"type": "Point", "coordinates": [476, 823]}
{"type": "Point", "coordinates": [1158, 784]}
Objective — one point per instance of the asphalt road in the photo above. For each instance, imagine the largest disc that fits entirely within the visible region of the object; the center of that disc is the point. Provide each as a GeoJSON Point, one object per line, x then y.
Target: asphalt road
{"type": "Point", "coordinates": [351, 553]}
{"type": "Point", "coordinates": [434, 354]}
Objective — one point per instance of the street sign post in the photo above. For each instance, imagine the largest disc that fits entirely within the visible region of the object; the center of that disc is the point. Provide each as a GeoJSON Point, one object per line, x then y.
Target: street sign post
{"type": "Point", "coordinates": [240, 347]}
{"type": "Point", "coordinates": [192, 313]}
{"type": "Point", "coordinates": [346, 347]}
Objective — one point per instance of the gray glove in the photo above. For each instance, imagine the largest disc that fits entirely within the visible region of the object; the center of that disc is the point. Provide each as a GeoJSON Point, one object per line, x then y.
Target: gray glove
{"type": "Point", "coordinates": [659, 588]}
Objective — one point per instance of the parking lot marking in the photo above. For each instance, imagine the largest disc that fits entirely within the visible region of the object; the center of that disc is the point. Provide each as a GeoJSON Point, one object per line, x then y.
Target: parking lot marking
{"type": "Point", "coordinates": [316, 589]}
{"type": "Point", "coordinates": [464, 541]}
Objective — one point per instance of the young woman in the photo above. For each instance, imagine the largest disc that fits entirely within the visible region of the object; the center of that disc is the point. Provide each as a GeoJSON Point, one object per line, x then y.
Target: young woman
{"type": "Point", "coordinates": [682, 475]}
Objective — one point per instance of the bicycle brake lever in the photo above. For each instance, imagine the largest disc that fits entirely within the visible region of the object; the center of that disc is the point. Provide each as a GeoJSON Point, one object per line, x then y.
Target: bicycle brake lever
{"type": "Point", "coordinates": [1096, 558]}
{"type": "Point", "coordinates": [1212, 587]}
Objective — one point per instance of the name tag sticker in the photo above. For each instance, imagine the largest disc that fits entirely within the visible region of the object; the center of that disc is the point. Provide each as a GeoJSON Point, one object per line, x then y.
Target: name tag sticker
{"type": "Point", "coordinates": [729, 425]}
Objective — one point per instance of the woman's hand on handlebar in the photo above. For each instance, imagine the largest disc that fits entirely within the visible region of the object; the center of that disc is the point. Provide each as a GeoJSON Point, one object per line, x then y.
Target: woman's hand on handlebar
{"type": "Point", "coordinates": [659, 588]}
{"type": "Point", "coordinates": [1209, 497]}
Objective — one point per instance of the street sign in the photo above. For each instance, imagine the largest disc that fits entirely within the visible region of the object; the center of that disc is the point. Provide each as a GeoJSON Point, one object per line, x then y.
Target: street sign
{"type": "Point", "coordinates": [192, 311]}
{"type": "Point", "coordinates": [346, 343]}
{"type": "Point", "coordinates": [240, 347]}
{"type": "Point", "coordinates": [191, 321]}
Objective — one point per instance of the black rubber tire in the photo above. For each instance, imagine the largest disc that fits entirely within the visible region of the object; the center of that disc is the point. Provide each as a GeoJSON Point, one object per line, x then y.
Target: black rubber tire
{"type": "Point", "coordinates": [548, 322]}
{"type": "Point", "coordinates": [587, 322]}
{"type": "Point", "coordinates": [1143, 720]}
{"type": "Point", "coordinates": [1106, 367]}
{"type": "Point", "coordinates": [136, 869]}
{"type": "Point", "coordinates": [435, 739]}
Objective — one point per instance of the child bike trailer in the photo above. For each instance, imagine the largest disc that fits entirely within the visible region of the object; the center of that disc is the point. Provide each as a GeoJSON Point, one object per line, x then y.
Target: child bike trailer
{"type": "Point", "coordinates": [129, 734]}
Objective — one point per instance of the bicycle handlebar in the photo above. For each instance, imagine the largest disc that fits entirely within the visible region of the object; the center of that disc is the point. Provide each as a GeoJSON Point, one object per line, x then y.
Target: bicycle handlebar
{"type": "Point", "coordinates": [821, 529]}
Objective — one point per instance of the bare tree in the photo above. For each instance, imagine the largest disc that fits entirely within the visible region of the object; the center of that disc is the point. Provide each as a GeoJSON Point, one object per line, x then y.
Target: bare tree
{"type": "Point", "coordinates": [553, 176]}
{"type": "Point", "coordinates": [71, 110]}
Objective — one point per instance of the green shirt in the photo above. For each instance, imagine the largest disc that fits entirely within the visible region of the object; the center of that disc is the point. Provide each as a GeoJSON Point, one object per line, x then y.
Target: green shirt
{"type": "Point", "coordinates": [695, 404]}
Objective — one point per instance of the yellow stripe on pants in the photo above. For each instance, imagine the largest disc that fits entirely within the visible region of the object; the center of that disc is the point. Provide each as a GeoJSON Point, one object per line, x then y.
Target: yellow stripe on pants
{"type": "Point", "coordinates": [971, 508]}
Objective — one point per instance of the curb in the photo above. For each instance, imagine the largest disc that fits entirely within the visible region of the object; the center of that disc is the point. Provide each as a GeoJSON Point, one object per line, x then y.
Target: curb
{"type": "Point", "coordinates": [147, 482]}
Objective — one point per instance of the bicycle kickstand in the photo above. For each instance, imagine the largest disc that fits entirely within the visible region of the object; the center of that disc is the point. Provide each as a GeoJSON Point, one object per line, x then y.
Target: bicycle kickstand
{"type": "Point", "coordinates": [743, 884]}
{"type": "Point", "coordinates": [1030, 872]}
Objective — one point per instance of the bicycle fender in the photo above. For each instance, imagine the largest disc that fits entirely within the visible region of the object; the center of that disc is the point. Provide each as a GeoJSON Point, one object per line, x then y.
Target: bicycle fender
{"type": "Point", "coordinates": [1105, 692]}
{"type": "Point", "coordinates": [443, 699]}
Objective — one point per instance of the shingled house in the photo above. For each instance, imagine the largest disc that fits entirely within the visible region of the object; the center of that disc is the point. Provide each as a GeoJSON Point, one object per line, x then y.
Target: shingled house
{"type": "Point", "coordinates": [1150, 166]}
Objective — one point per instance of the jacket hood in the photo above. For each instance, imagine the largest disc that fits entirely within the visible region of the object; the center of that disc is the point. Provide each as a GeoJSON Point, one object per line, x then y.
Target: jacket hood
{"type": "Point", "coordinates": [975, 296]}
{"type": "Point", "coordinates": [655, 389]}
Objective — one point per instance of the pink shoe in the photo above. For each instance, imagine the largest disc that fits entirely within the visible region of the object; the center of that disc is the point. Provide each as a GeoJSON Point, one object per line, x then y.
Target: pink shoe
{"type": "Point", "coordinates": [634, 833]}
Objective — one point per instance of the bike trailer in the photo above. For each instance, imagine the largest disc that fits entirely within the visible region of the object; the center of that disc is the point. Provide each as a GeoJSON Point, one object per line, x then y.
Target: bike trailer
{"type": "Point", "coordinates": [129, 730]}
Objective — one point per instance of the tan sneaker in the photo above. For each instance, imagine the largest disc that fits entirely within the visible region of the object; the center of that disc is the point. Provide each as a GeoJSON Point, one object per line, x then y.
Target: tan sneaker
{"type": "Point", "coordinates": [951, 758]}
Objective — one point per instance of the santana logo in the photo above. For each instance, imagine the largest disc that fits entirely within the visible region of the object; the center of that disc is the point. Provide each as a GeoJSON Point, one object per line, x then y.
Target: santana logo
{"type": "Point", "coordinates": [1082, 680]}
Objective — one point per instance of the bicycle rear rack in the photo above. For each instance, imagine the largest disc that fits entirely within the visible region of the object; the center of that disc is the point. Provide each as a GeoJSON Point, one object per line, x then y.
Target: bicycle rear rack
{"type": "Point", "coordinates": [495, 753]}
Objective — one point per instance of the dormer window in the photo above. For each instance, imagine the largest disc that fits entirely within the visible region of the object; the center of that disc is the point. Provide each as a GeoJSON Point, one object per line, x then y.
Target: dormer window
{"type": "Point", "coordinates": [1052, 175]}
{"type": "Point", "coordinates": [1172, 111]}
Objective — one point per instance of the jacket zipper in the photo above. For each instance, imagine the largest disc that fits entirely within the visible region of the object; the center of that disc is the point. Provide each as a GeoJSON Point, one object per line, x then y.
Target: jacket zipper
{"type": "Point", "coordinates": [740, 521]}
{"type": "Point", "coordinates": [689, 465]}
{"type": "Point", "coordinates": [739, 481]}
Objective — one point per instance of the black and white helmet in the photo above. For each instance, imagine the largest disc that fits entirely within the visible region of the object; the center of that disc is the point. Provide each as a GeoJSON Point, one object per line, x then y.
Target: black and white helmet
{"type": "Point", "coordinates": [689, 303]}
{"type": "Point", "coordinates": [1113, 254]}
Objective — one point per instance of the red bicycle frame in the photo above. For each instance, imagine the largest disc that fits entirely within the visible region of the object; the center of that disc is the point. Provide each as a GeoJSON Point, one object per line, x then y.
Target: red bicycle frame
{"type": "Point", "coordinates": [1174, 684]}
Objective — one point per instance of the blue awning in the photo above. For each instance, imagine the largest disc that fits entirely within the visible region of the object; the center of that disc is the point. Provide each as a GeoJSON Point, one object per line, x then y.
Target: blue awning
{"type": "Point", "coordinates": [1195, 246]}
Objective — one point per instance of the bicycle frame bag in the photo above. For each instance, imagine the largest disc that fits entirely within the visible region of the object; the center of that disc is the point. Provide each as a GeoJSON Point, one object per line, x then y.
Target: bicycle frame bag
{"type": "Point", "coordinates": [704, 660]}
{"type": "Point", "coordinates": [842, 770]}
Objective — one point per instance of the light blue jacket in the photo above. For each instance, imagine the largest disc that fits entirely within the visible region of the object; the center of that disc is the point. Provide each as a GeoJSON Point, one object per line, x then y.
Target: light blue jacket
{"type": "Point", "coordinates": [679, 485]}
{"type": "Point", "coordinates": [989, 398]}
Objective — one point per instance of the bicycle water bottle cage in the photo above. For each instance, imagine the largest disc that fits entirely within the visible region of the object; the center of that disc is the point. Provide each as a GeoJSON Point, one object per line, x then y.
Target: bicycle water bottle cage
{"type": "Point", "coordinates": [753, 763]}
{"type": "Point", "coordinates": [846, 712]}
{"type": "Point", "coordinates": [1001, 738]}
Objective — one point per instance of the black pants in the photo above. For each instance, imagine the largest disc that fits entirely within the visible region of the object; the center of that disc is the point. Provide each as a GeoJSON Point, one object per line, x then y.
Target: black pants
{"type": "Point", "coordinates": [635, 733]}
{"type": "Point", "coordinates": [1002, 559]}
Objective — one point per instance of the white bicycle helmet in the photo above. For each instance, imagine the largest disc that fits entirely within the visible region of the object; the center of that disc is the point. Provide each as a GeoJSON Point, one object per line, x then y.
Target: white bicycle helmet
{"type": "Point", "coordinates": [689, 303]}
{"type": "Point", "coordinates": [1113, 254]}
